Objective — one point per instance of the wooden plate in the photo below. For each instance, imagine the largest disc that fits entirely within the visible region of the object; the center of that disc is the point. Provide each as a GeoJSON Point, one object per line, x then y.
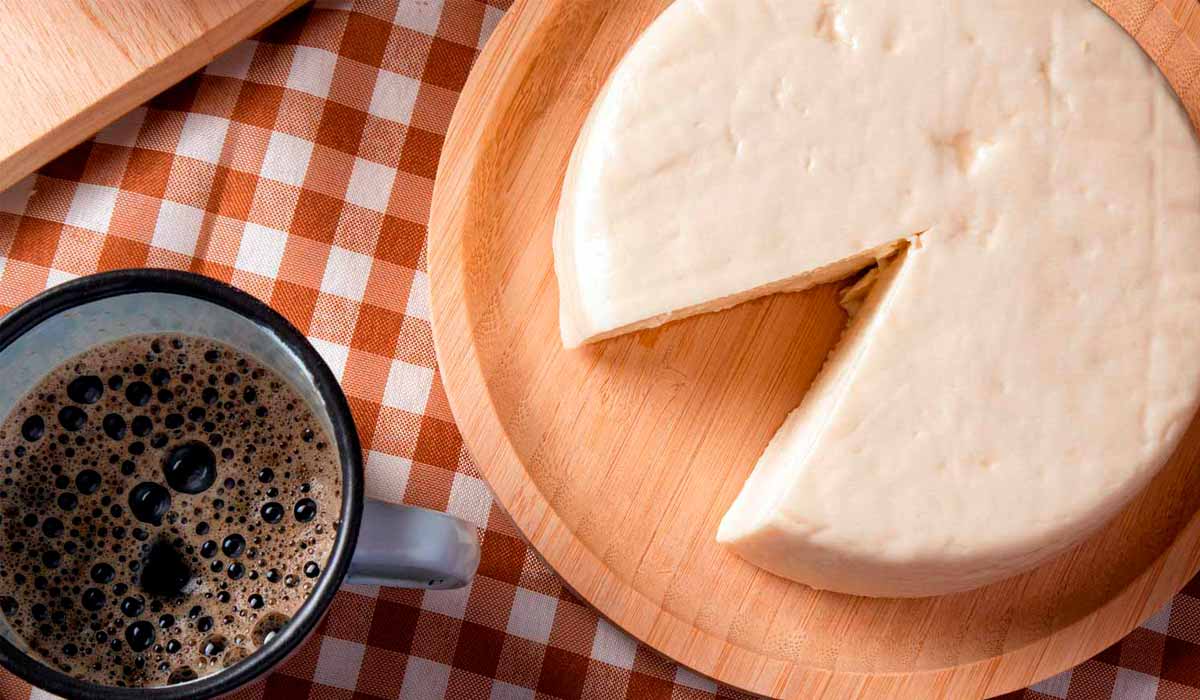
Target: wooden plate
{"type": "Point", "coordinates": [617, 461]}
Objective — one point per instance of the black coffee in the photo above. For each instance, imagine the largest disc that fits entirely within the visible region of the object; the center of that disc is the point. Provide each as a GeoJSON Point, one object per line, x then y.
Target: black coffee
{"type": "Point", "coordinates": [167, 505]}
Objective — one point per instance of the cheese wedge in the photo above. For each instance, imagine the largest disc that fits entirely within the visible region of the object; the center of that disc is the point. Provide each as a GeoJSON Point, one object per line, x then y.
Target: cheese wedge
{"type": "Point", "coordinates": [1017, 372]}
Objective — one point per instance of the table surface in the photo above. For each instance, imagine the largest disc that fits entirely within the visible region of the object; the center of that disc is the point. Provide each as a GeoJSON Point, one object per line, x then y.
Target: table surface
{"type": "Point", "coordinates": [299, 166]}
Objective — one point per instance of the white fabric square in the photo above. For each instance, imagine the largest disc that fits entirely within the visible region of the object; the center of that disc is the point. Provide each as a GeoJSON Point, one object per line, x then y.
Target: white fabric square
{"type": "Point", "coordinates": [203, 137]}
{"type": "Point", "coordinates": [394, 97]}
{"type": "Point", "coordinates": [334, 354]}
{"type": "Point", "coordinates": [387, 476]}
{"type": "Point", "coordinates": [124, 131]}
{"type": "Point", "coordinates": [177, 227]}
{"type": "Point", "coordinates": [339, 663]}
{"type": "Point", "coordinates": [1134, 685]}
{"type": "Point", "coordinates": [421, 15]}
{"type": "Point", "coordinates": [39, 694]}
{"type": "Point", "coordinates": [235, 62]}
{"type": "Point", "coordinates": [491, 18]}
{"type": "Point", "coordinates": [1161, 620]}
{"type": "Point", "coordinates": [1054, 686]}
{"type": "Point", "coordinates": [418, 296]}
{"type": "Point", "coordinates": [507, 691]}
{"type": "Point", "coordinates": [370, 185]}
{"type": "Point", "coordinates": [532, 615]}
{"type": "Point", "coordinates": [311, 71]}
{"type": "Point", "coordinates": [261, 250]}
{"type": "Point", "coordinates": [691, 679]}
{"type": "Point", "coordinates": [346, 273]}
{"type": "Point", "coordinates": [92, 207]}
{"type": "Point", "coordinates": [57, 277]}
{"type": "Point", "coordinates": [613, 647]}
{"type": "Point", "coordinates": [14, 199]}
{"type": "Point", "coordinates": [424, 679]}
{"type": "Point", "coordinates": [408, 387]}
{"type": "Point", "coordinates": [451, 603]}
{"type": "Point", "coordinates": [287, 158]}
{"type": "Point", "coordinates": [470, 499]}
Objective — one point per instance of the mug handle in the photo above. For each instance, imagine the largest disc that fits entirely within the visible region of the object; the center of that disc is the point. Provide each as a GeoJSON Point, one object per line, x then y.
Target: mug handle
{"type": "Point", "coordinates": [411, 547]}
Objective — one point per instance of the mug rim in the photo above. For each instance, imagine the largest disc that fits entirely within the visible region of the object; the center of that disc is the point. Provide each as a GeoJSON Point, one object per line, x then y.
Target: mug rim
{"type": "Point", "coordinates": [105, 285]}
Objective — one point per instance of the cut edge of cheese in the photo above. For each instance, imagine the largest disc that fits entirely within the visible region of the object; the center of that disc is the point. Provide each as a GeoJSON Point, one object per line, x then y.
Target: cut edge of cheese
{"type": "Point", "coordinates": [575, 327]}
{"type": "Point", "coordinates": [867, 303]}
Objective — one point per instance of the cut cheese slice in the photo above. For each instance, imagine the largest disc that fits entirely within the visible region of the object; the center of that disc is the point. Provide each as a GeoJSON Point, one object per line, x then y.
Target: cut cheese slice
{"type": "Point", "coordinates": [1018, 373]}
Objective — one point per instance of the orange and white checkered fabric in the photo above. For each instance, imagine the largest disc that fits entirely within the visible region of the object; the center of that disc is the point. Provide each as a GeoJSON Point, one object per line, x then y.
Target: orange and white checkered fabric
{"type": "Point", "coordinates": [299, 166]}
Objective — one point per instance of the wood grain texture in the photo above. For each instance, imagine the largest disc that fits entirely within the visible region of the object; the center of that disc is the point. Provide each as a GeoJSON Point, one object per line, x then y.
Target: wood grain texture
{"type": "Point", "coordinates": [617, 461]}
{"type": "Point", "coordinates": [68, 67]}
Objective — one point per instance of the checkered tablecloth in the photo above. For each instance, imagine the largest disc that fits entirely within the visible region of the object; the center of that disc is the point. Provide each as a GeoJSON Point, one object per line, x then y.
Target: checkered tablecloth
{"type": "Point", "coordinates": [299, 166]}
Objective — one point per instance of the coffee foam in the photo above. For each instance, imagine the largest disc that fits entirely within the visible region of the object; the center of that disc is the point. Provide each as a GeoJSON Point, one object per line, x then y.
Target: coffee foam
{"type": "Point", "coordinates": [167, 505]}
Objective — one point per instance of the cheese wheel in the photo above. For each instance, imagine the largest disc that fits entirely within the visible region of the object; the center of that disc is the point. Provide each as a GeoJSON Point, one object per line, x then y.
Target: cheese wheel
{"type": "Point", "coordinates": [1018, 372]}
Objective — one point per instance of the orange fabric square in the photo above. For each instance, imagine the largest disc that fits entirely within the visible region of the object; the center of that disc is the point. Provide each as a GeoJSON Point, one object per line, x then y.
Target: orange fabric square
{"type": "Point", "coordinates": [231, 193]}
{"type": "Point", "coordinates": [461, 21]}
{"type": "Point", "coordinates": [50, 199]}
{"type": "Point", "coordinates": [422, 149]}
{"type": "Point", "coordinates": [366, 375]}
{"type": "Point", "coordinates": [220, 238]}
{"type": "Point", "coordinates": [383, 141]}
{"type": "Point", "coordinates": [400, 242]}
{"type": "Point", "coordinates": [410, 198]}
{"type": "Point", "coordinates": [270, 63]}
{"type": "Point", "coordinates": [120, 253]}
{"type": "Point", "coordinates": [353, 84]}
{"type": "Point", "coordinates": [407, 52]}
{"type": "Point", "coordinates": [160, 130]}
{"type": "Point", "coordinates": [300, 114]}
{"type": "Point", "coordinates": [358, 229]}
{"type": "Point", "coordinates": [134, 216]}
{"type": "Point", "coordinates": [217, 95]}
{"type": "Point", "coordinates": [295, 302]}
{"type": "Point", "coordinates": [190, 182]}
{"type": "Point", "coordinates": [396, 432]}
{"type": "Point", "coordinates": [341, 127]}
{"type": "Point", "coordinates": [433, 109]}
{"type": "Point", "coordinates": [108, 167]}
{"type": "Point", "coordinates": [415, 344]}
{"type": "Point", "coordinates": [329, 171]}
{"type": "Point", "coordinates": [365, 39]}
{"type": "Point", "coordinates": [377, 329]}
{"type": "Point", "coordinates": [438, 405]}
{"type": "Point", "coordinates": [448, 64]}
{"type": "Point", "coordinates": [382, 674]}
{"type": "Point", "coordinates": [274, 204]}
{"type": "Point", "coordinates": [325, 29]}
{"type": "Point", "coordinates": [334, 319]}
{"type": "Point", "coordinates": [36, 241]}
{"type": "Point", "coordinates": [428, 485]}
{"type": "Point", "coordinates": [388, 286]}
{"type": "Point", "coordinates": [147, 172]}
{"type": "Point", "coordinates": [258, 104]}
{"type": "Point", "coordinates": [78, 250]}
{"type": "Point", "coordinates": [436, 637]}
{"type": "Point", "coordinates": [20, 281]}
{"type": "Point", "coordinates": [438, 444]}
{"type": "Point", "coordinates": [316, 216]}
{"type": "Point", "coordinates": [245, 147]}
{"type": "Point", "coordinates": [304, 262]}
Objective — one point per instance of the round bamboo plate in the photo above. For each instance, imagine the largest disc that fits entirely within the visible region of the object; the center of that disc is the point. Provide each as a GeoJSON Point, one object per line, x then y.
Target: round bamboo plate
{"type": "Point", "coordinates": [618, 460]}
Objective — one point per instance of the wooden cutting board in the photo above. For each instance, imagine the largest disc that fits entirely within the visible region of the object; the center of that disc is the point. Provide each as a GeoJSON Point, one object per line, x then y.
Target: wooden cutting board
{"type": "Point", "coordinates": [618, 460]}
{"type": "Point", "coordinates": [68, 67]}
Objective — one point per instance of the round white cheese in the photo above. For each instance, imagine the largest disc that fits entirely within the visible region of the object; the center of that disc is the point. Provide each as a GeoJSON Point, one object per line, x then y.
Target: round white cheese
{"type": "Point", "coordinates": [1018, 373]}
